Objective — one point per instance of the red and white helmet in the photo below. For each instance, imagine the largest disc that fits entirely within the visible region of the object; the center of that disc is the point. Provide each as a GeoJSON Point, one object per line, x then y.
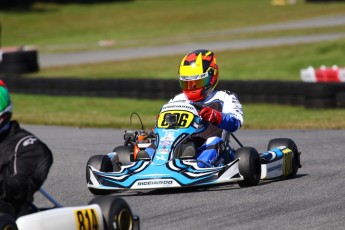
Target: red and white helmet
{"type": "Point", "coordinates": [198, 74]}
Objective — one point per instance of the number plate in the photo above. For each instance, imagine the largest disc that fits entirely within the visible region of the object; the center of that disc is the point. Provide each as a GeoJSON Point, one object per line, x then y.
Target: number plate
{"type": "Point", "coordinates": [87, 219]}
{"type": "Point", "coordinates": [184, 119]}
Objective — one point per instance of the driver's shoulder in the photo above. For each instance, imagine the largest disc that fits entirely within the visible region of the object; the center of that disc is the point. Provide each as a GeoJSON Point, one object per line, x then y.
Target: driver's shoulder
{"type": "Point", "coordinates": [225, 92]}
{"type": "Point", "coordinates": [221, 95]}
{"type": "Point", "coordinates": [178, 97]}
{"type": "Point", "coordinates": [226, 95]}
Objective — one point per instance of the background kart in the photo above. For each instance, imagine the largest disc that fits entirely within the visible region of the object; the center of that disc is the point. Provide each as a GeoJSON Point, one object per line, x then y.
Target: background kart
{"type": "Point", "coordinates": [174, 162]}
{"type": "Point", "coordinates": [102, 212]}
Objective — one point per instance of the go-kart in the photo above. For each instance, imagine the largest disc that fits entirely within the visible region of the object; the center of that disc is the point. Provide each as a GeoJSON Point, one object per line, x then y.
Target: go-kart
{"type": "Point", "coordinates": [174, 163]}
{"type": "Point", "coordinates": [102, 212]}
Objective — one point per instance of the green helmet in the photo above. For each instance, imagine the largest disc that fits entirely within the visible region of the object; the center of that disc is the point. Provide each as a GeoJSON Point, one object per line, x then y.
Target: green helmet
{"type": "Point", "coordinates": [5, 106]}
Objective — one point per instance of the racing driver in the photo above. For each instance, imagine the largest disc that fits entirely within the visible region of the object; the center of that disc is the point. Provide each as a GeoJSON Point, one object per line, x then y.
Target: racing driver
{"type": "Point", "coordinates": [198, 77]}
{"type": "Point", "coordinates": [24, 161]}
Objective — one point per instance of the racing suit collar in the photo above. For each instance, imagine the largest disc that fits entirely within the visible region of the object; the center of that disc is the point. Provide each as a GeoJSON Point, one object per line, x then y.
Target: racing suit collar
{"type": "Point", "coordinates": [10, 129]}
{"type": "Point", "coordinates": [5, 128]}
{"type": "Point", "coordinates": [4, 132]}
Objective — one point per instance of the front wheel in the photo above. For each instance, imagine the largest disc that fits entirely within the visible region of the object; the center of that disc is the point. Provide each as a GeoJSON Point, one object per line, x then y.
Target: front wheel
{"type": "Point", "coordinates": [124, 154]}
{"type": "Point", "coordinates": [290, 144]}
{"type": "Point", "coordinates": [116, 212]}
{"type": "Point", "coordinates": [249, 166]}
{"type": "Point", "coordinates": [101, 163]}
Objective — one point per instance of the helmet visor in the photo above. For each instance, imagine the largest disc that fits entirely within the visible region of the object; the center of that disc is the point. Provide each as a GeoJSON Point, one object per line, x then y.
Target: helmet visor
{"type": "Point", "coordinates": [195, 82]}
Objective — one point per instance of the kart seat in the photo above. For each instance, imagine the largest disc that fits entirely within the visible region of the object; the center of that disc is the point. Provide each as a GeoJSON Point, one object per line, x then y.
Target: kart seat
{"type": "Point", "coordinates": [186, 151]}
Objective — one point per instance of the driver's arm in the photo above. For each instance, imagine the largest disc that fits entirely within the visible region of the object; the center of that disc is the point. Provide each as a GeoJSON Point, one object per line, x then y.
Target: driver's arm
{"type": "Point", "coordinates": [230, 118]}
{"type": "Point", "coordinates": [232, 114]}
{"type": "Point", "coordinates": [28, 172]}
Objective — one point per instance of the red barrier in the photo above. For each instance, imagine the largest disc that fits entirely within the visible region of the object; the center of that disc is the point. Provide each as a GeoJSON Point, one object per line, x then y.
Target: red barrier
{"type": "Point", "coordinates": [323, 74]}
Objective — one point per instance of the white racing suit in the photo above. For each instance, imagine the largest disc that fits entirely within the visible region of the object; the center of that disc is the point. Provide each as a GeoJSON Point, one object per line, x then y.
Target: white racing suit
{"type": "Point", "coordinates": [210, 143]}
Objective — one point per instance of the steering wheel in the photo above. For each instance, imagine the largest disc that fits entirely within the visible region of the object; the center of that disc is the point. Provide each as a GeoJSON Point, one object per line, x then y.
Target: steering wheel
{"type": "Point", "coordinates": [204, 124]}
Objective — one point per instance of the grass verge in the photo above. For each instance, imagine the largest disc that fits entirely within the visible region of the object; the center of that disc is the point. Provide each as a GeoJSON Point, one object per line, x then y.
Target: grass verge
{"type": "Point", "coordinates": [138, 22]}
{"type": "Point", "coordinates": [115, 113]}
{"type": "Point", "coordinates": [271, 63]}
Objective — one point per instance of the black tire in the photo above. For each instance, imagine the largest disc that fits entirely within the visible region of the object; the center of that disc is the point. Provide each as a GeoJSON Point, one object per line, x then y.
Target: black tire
{"type": "Point", "coordinates": [116, 212]}
{"type": "Point", "coordinates": [7, 222]}
{"type": "Point", "coordinates": [249, 166]}
{"type": "Point", "coordinates": [293, 147]}
{"type": "Point", "coordinates": [124, 153]}
{"type": "Point", "coordinates": [321, 89]}
{"type": "Point", "coordinates": [21, 61]}
{"type": "Point", "coordinates": [340, 100]}
{"type": "Point", "coordinates": [101, 163]}
{"type": "Point", "coordinates": [320, 103]}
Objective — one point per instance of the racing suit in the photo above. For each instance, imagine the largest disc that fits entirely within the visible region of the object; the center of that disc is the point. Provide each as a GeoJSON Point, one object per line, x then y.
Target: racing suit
{"type": "Point", "coordinates": [211, 152]}
{"type": "Point", "coordinates": [24, 165]}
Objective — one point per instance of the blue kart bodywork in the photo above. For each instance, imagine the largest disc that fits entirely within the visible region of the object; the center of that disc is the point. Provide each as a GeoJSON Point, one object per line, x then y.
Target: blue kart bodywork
{"type": "Point", "coordinates": [168, 169]}
{"type": "Point", "coordinates": [175, 173]}
{"type": "Point", "coordinates": [165, 169]}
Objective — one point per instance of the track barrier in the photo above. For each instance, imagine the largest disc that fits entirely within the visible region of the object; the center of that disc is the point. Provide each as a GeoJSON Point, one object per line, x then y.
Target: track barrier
{"type": "Point", "coordinates": [323, 74]}
{"type": "Point", "coordinates": [18, 60]}
{"type": "Point", "coordinates": [318, 95]}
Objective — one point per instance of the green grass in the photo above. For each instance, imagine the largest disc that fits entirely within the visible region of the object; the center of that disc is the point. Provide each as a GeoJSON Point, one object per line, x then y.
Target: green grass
{"type": "Point", "coordinates": [273, 63]}
{"type": "Point", "coordinates": [55, 27]}
{"type": "Point", "coordinates": [115, 113]}
{"type": "Point", "coordinates": [70, 27]}
{"type": "Point", "coordinates": [139, 22]}
{"type": "Point", "coordinates": [82, 111]}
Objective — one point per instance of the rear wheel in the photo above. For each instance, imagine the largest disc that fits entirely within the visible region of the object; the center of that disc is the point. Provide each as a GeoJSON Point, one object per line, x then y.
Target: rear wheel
{"type": "Point", "coordinates": [101, 163]}
{"type": "Point", "coordinates": [290, 144]}
{"type": "Point", "coordinates": [124, 153]}
{"type": "Point", "coordinates": [116, 212]}
{"type": "Point", "coordinates": [249, 166]}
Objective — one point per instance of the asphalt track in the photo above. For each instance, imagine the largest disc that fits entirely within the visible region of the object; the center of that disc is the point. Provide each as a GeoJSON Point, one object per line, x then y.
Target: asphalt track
{"type": "Point", "coordinates": [315, 199]}
{"type": "Point", "coordinates": [74, 58]}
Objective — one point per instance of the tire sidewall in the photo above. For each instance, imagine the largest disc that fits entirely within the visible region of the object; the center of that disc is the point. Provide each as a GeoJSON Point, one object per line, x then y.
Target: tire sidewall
{"type": "Point", "coordinates": [101, 163]}
{"type": "Point", "coordinates": [290, 144]}
{"type": "Point", "coordinates": [115, 210]}
{"type": "Point", "coordinates": [249, 166]}
{"type": "Point", "coordinates": [123, 153]}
